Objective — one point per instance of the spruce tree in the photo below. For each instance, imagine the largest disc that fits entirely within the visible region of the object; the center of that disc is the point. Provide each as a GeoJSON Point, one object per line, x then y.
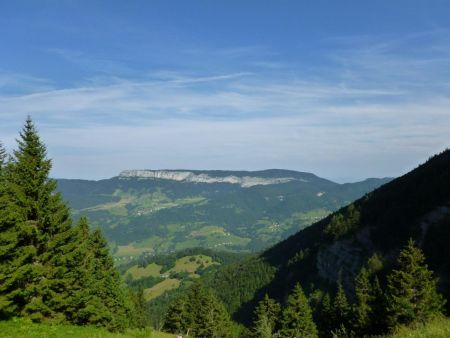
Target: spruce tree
{"type": "Point", "coordinates": [77, 265]}
{"type": "Point", "coordinates": [199, 313]}
{"type": "Point", "coordinates": [141, 317]}
{"type": "Point", "coordinates": [266, 317]}
{"type": "Point", "coordinates": [325, 316]}
{"type": "Point", "coordinates": [34, 225]}
{"type": "Point", "coordinates": [297, 318]}
{"type": "Point", "coordinates": [209, 317]}
{"type": "Point", "coordinates": [177, 319]}
{"type": "Point", "coordinates": [50, 270]}
{"type": "Point", "coordinates": [108, 303]}
{"type": "Point", "coordinates": [362, 309]}
{"type": "Point", "coordinates": [411, 290]}
{"type": "Point", "coordinates": [341, 309]}
{"type": "Point", "coordinates": [378, 321]}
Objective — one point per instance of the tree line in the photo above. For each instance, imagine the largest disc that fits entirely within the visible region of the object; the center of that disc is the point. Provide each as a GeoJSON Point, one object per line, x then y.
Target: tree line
{"type": "Point", "coordinates": [50, 269]}
{"type": "Point", "coordinates": [409, 297]}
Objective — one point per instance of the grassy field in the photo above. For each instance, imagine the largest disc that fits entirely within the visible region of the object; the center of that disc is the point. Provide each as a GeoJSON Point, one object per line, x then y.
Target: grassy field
{"type": "Point", "coordinates": [152, 269]}
{"type": "Point", "coordinates": [160, 288]}
{"type": "Point", "coordinates": [26, 329]}
{"type": "Point", "coordinates": [439, 328]}
{"type": "Point", "coordinates": [190, 264]}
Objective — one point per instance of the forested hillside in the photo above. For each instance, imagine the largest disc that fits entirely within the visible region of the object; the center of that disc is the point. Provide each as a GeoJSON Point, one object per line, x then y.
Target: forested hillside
{"type": "Point", "coordinates": [368, 233]}
{"type": "Point", "coordinates": [154, 212]}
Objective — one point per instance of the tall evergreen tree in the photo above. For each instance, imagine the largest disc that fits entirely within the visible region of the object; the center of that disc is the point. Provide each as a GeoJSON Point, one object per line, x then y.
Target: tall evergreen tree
{"type": "Point", "coordinates": [378, 321]}
{"type": "Point", "coordinates": [266, 317]}
{"type": "Point", "coordinates": [362, 309]}
{"type": "Point", "coordinates": [411, 291]}
{"type": "Point", "coordinates": [198, 313]}
{"type": "Point", "coordinates": [341, 309]}
{"type": "Point", "coordinates": [141, 316]}
{"type": "Point", "coordinates": [297, 318]}
{"type": "Point", "coordinates": [177, 319]}
{"type": "Point", "coordinates": [108, 303]}
{"type": "Point", "coordinates": [34, 224]}
{"type": "Point", "coordinates": [325, 316]}
{"type": "Point", "coordinates": [212, 320]}
{"type": "Point", "coordinates": [50, 270]}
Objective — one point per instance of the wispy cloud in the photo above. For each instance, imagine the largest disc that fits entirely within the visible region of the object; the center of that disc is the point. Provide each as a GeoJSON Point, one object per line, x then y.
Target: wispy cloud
{"type": "Point", "coordinates": [19, 84]}
{"type": "Point", "coordinates": [373, 101]}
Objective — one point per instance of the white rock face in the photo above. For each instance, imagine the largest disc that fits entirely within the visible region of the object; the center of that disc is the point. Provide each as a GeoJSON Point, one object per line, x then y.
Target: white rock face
{"type": "Point", "coordinates": [188, 176]}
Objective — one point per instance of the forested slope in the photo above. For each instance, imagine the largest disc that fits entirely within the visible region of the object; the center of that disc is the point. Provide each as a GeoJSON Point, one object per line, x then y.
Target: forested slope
{"type": "Point", "coordinates": [416, 205]}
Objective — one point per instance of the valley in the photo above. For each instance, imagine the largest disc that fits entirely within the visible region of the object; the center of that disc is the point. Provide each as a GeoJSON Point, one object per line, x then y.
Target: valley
{"type": "Point", "coordinates": [157, 212]}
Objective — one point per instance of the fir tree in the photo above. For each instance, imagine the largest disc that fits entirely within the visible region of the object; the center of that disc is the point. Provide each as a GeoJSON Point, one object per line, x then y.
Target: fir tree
{"type": "Point", "coordinates": [297, 318]}
{"type": "Point", "coordinates": [34, 225]}
{"type": "Point", "coordinates": [50, 270]}
{"type": "Point", "coordinates": [77, 264]}
{"type": "Point", "coordinates": [141, 314]}
{"type": "Point", "coordinates": [266, 317]}
{"type": "Point", "coordinates": [378, 321]}
{"type": "Point", "coordinates": [411, 291]}
{"type": "Point", "coordinates": [210, 318]}
{"type": "Point", "coordinates": [198, 313]}
{"type": "Point", "coordinates": [325, 316]}
{"type": "Point", "coordinates": [177, 319]}
{"type": "Point", "coordinates": [108, 303]}
{"type": "Point", "coordinates": [362, 310]}
{"type": "Point", "coordinates": [341, 309]}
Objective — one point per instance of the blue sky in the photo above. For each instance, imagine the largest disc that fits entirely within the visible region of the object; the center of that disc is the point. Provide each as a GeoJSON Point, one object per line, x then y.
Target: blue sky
{"type": "Point", "coordinates": [344, 89]}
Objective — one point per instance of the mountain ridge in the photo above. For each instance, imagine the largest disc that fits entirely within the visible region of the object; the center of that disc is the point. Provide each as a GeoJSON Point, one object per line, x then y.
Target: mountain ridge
{"type": "Point", "coordinates": [207, 212]}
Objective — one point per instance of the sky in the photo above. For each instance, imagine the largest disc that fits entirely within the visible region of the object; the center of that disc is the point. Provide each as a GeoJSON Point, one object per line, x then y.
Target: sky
{"type": "Point", "coordinates": [344, 89]}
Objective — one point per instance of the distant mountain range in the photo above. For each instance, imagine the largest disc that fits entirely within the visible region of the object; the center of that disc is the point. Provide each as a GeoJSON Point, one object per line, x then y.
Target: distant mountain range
{"type": "Point", "coordinates": [161, 211]}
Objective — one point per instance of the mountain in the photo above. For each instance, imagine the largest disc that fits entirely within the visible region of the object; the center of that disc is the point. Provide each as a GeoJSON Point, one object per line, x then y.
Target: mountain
{"type": "Point", "coordinates": [161, 211]}
{"type": "Point", "coordinates": [376, 227]}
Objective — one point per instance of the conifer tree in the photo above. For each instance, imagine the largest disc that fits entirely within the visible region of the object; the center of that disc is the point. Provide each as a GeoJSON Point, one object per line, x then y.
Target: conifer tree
{"type": "Point", "coordinates": [141, 314]}
{"type": "Point", "coordinates": [177, 319]}
{"type": "Point", "coordinates": [297, 318]}
{"type": "Point", "coordinates": [50, 270]}
{"type": "Point", "coordinates": [362, 309]}
{"type": "Point", "coordinates": [108, 303]}
{"type": "Point", "coordinates": [411, 291]}
{"type": "Point", "coordinates": [341, 309]}
{"type": "Point", "coordinates": [34, 224]}
{"type": "Point", "coordinates": [212, 319]}
{"type": "Point", "coordinates": [198, 313]}
{"type": "Point", "coordinates": [378, 321]}
{"type": "Point", "coordinates": [266, 317]}
{"type": "Point", "coordinates": [325, 316]}
{"type": "Point", "coordinates": [77, 263]}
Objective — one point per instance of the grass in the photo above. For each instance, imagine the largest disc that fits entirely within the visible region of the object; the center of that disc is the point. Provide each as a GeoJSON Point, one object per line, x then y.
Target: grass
{"type": "Point", "coordinates": [20, 328]}
{"type": "Point", "coordinates": [152, 269]}
{"type": "Point", "coordinates": [129, 251]}
{"type": "Point", "coordinates": [190, 264]}
{"type": "Point", "coordinates": [158, 289]}
{"type": "Point", "coordinates": [438, 328]}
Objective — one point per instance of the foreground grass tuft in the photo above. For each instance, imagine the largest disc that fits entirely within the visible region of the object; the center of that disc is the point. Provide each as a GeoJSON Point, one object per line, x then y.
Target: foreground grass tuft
{"type": "Point", "coordinates": [20, 328]}
{"type": "Point", "coordinates": [438, 328]}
